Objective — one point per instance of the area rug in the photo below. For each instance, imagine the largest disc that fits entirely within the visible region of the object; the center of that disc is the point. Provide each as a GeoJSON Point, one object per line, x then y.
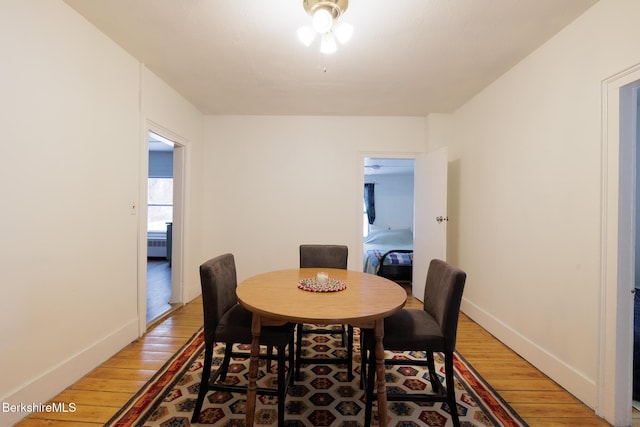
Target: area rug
{"type": "Point", "coordinates": [323, 397]}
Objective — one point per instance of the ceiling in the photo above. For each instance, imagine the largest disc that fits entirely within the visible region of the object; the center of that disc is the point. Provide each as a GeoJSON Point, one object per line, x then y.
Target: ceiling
{"type": "Point", "coordinates": [159, 143]}
{"type": "Point", "coordinates": [388, 166]}
{"type": "Point", "coordinates": [406, 57]}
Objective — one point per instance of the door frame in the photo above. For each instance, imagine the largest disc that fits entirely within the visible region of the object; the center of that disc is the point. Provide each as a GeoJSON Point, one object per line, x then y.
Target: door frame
{"type": "Point", "coordinates": [381, 155]}
{"type": "Point", "coordinates": [177, 253]}
{"type": "Point", "coordinates": [614, 389]}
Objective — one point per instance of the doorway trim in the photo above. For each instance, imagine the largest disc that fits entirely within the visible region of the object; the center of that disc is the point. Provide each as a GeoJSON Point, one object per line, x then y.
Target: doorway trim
{"type": "Point", "coordinates": [361, 180]}
{"type": "Point", "coordinates": [617, 225]}
{"type": "Point", "coordinates": [177, 255]}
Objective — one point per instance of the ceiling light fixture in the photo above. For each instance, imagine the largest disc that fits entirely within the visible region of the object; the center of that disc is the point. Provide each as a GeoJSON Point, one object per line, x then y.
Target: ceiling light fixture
{"type": "Point", "coordinates": [324, 21]}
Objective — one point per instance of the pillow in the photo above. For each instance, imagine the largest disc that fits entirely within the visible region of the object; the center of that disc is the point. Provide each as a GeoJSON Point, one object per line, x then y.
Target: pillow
{"type": "Point", "coordinates": [374, 228]}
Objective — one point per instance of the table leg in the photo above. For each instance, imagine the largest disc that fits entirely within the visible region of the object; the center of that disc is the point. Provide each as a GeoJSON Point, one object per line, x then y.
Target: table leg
{"type": "Point", "coordinates": [256, 324]}
{"type": "Point", "coordinates": [380, 373]}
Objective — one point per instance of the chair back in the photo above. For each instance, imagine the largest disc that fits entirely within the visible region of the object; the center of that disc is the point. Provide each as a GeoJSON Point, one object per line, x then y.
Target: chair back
{"type": "Point", "coordinates": [324, 256]}
{"type": "Point", "coordinates": [218, 281]}
{"type": "Point", "coordinates": [442, 297]}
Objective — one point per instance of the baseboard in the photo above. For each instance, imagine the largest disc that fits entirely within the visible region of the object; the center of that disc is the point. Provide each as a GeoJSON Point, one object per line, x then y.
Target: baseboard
{"type": "Point", "coordinates": [49, 384]}
{"type": "Point", "coordinates": [565, 375]}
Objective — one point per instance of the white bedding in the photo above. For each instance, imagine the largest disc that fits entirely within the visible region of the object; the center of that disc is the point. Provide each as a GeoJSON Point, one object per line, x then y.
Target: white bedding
{"type": "Point", "coordinates": [384, 240]}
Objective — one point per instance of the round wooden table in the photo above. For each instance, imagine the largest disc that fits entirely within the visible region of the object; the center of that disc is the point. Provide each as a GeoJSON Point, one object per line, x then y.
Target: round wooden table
{"type": "Point", "coordinates": [274, 298]}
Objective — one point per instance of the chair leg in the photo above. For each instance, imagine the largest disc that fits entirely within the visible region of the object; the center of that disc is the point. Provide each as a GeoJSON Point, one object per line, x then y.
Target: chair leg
{"type": "Point", "coordinates": [204, 382]}
{"type": "Point", "coordinates": [269, 357]}
{"type": "Point", "coordinates": [347, 342]}
{"type": "Point", "coordinates": [224, 367]}
{"type": "Point", "coordinates": [282, 386]}
{"type": "Point", "coordinates": [290, 355]}
{"type": "Point", "coordinates": [343, 335]}
{"type": "Point", "coordinates": [370, 380]}
{"type": "Point", "coordinates": [363, 360]}
{"type": "Point", "coordinates": [350, 353]}
{"type": "Point", "coordinates": [433, 377]}
{"type": "Point", "coordinates": [298, 350]}
{"type": "Point", "coordinates": [451, 389]}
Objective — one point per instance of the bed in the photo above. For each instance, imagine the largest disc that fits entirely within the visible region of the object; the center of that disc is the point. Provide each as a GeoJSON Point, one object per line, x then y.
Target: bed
{"type": "Point", "coordinates": [389, 253]}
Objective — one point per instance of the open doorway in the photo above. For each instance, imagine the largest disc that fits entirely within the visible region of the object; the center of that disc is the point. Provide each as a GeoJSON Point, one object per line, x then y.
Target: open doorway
{"type": "Point", "coordinates": [388, 218]}
{"type": "Point", "coordinates": [160, 212]}
{"type": "Point", "coordinates": [628, 217]}
{"type": "Point", "coordinates": [633, 139]}
{"type": "Point", "coordinates": [619, 246]}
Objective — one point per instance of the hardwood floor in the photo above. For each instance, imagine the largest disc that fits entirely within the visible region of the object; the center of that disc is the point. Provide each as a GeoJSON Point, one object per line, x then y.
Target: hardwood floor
{"type": "Point", "coordinates": [99, 395]}
{"type": "Point", "coordinates": [158, 288]}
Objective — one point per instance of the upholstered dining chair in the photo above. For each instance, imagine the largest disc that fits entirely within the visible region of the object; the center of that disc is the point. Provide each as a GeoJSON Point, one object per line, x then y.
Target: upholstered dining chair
{"type": "Point", "coordinates": [325, 256]}
{"type": "Point", "coordinates": [226, 321]}
{"type": "Point", "coordinates": [431, 329]}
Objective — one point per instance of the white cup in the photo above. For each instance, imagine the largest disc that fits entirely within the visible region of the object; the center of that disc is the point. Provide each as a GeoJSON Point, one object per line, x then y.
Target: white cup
{"type": "Point", "coordinates": [322, 277]}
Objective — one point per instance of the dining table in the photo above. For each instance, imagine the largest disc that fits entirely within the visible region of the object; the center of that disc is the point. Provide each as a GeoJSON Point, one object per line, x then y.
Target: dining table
{"type": "Point", "coordinates": [335, 296]}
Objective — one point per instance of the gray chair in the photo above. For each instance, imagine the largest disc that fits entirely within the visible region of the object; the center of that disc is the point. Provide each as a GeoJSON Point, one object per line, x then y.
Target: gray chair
{"type": "Point", "coordinates": [432, 329]}
{"type": "Point", "coordinates": [228, 322]}
{"type": "Point", "coordinates": [325, 256]}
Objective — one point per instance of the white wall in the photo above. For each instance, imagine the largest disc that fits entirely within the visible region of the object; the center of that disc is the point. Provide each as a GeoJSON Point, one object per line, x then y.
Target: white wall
{"type": "Point", "coordinates": [273, 183]}
{"type": "Point", "coordinates": [69, 172]}
{"type": "Point", "coordinates": [527, 154]}
{"type": "Point", "coordinates": [170, 115]}
{"type": "Point", "coordinates": [394, 199]}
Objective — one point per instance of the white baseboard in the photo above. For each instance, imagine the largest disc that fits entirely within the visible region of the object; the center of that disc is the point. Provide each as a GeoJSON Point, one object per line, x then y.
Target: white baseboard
{"type": "Point", "coordinates": [565, 375]}
{"type": "Point", "coordinates": [49, 384]}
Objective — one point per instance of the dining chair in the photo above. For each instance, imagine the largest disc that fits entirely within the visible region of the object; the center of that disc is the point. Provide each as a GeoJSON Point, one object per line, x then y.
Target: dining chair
{"type": "Point", "coordinates": [325, 256]}
{"type": "Point", "coordinates": [430, 329]}
{"type": "Point", "coordinates": [226, 321]}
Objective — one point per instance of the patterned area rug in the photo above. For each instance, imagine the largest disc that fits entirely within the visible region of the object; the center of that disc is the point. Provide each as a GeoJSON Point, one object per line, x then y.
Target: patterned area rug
{"type": "Point", "coordinates": [323, 397]}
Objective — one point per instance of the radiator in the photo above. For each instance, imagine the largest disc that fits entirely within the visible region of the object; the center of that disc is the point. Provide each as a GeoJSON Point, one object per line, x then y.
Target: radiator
{"type": "Point", "coordinates": [157, 248]}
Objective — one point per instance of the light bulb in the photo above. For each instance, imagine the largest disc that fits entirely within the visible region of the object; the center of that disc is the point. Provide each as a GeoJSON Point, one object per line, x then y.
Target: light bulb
{"type": "Point", "coordinates": [343, 32]}
{"type": "Point", "coordinates": [322, 21]}
{"type": "Point", "coordinates": [328, 44]}
{"type": "Point", "coordinates": [306, 35]}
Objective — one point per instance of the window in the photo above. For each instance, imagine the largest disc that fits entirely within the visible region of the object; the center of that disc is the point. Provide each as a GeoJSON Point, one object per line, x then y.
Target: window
{"type": "Point", "coordinates": [160, 203]}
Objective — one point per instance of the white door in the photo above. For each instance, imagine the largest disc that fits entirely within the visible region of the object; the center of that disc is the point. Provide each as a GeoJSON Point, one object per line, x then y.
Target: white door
{"type": "Point", "coordinates": [430, 215]}
{"type": "Point", "coordinates": [619, 199]}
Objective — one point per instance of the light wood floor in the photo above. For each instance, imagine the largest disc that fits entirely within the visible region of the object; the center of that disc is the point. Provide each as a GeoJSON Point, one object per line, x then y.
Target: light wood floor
{"type": "Point", "coordinates": [538, 400]}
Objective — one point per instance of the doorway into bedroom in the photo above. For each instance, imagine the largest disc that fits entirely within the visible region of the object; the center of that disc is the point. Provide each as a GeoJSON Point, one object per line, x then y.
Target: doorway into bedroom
{"type": "Point", "coordinates": [633, 140]}
{"type": "Point", "coordinates": [620, 244]}
{"type": "Point", "coordinates": [388, 218]}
